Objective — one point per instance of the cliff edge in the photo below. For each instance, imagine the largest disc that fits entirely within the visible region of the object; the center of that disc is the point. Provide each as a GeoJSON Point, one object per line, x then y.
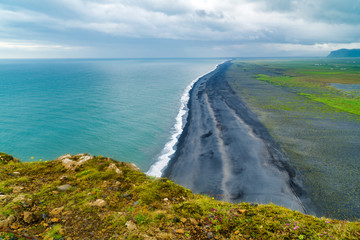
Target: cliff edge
{"type": "Point", "coordinates": [344, 53]}
{"type": "Point", "coordinates": [87, 197]}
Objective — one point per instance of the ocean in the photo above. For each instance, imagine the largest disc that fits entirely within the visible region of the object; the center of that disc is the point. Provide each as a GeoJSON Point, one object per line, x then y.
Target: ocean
{"type": "Point", "coordinates": [131, 110]}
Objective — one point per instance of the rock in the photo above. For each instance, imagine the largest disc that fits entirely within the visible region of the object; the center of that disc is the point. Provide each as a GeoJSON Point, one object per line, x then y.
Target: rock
{"type": "Point", "coordinates": [135, 203]}
{"type": "Point", "coordinates": [112, 166]}
{"type": "Point", "coordinates": [180, 231]}
{"type": "Point", "coordinates": [193, 221]}
{"type": "Point", "coordinates": [55, 220]}
{"type": "Point", "coordinates": [4, 197]}
{"type": "Point", "coordinates": [29, 217]}
{"type": "Point", "coordinates": [7, 222]}
{"type": "Point", "coordinates": [127, 195]}
{"type": "Point", "coordinates": [6, 158]}
{"type": "Point", "coordinates": [17, 189]}
{"type": "Point", "coordinates": [64, 187]}
{"type": "Point", "coordinates": [99, 203]}
{"type": "Point", "coordinates": [15, 226]}
{"type": "Point", "coordinates": [209, 235]}
{"type": "Point", "coordinates": [131, 226]}
{"type": "Point", "coordinates": [131, 166]}
{"type": "Point", "coordinates": [24, 200]}
{"type": "Point", "coordinates": [56, 211]}
{"type": "Point", "coordinates": [242, 211]}
{"type": "Point", "coordinates": [72, 162]}
{"type": "Point", "coordinates": [63, 178]}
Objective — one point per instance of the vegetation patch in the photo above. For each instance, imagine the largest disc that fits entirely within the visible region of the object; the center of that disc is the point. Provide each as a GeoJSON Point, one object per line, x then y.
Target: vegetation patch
{"type": "Point", "coordinates": [317, 91]}
{"type": "Point", "coordinates": [105, 199]}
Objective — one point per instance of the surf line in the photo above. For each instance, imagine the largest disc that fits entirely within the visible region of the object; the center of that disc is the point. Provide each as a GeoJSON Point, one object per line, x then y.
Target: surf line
{"type": "Point", "coordinates": [180, 121]}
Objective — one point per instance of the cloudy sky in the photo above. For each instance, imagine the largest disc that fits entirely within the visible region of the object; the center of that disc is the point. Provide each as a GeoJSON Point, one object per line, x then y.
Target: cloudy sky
{"type": "Point", "coordinates": [176, 28]}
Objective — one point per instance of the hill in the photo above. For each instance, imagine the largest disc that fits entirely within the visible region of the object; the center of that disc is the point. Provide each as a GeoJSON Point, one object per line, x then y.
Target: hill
{"type": "Point", "coordinates": [342, 53]}
{"type": "Point", "coordinates": [87, 197]}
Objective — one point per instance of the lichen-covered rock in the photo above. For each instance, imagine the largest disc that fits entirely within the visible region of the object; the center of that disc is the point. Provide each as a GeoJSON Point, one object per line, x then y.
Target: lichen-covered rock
{"type": "Point", "coordinates": [29, 217]}
{"type": "Point", "coordinates": [17, 189]}
{"type": "Point", "coordinates": [112, 166]}
{"type": "Point", "coordinates": [25, 200]}
{"type": "Point", "coordinates": [7, 222]}
{"type": "Point", "coordinates": [56, 211]}
{"type": "Point", "coordinates": [131, 166]}
{"type": "Point", "coordinates": [99, 203]}
{"type": "Point", "coordinates": [64, 187]}
{"type": "Point", "coordinates": [71, 162]}
{"type": "Point", "coordinates": [131, 226]}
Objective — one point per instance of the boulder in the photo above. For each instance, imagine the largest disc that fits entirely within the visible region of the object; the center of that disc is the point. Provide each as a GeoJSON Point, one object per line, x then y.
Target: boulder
{"type": "Point", "coordinates": [29, 217]}
{"type": "Point", "coordinates": [112, 166]}
{"type": "Point", "coordinates": [64, 187]}
{"type": "Point", "coordinates": [7, 222]}
{"type": "Point", "coordinates": [99, 203]}
{"type": "Point", "coordinates": [71, 162]}
{"type": "Point", "coordinates": [56, 211]}
{"type": "Point", "coordinates": [6, 158]}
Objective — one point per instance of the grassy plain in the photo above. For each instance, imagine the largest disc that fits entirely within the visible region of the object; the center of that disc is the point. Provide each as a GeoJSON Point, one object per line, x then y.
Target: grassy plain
{"type": "Point", "coordinates": [316, 126]}
{"type": "Point", "coordinates": [312, 79]}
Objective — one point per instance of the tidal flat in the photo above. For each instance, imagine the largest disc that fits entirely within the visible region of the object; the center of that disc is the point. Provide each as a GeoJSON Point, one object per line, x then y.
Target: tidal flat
{"type": "Point", "coordinates": [315, 125]}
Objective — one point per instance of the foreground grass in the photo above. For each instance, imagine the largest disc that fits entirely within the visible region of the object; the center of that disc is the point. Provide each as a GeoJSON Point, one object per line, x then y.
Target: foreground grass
{"type": "Point", "coordinates": [106, 199]}
{"type": "Point", "coordinates": [313, 78]}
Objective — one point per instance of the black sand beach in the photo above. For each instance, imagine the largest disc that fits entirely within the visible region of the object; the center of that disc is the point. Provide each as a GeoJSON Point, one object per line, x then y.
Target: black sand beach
{"type": "Point", "coordinates": [225, 151]}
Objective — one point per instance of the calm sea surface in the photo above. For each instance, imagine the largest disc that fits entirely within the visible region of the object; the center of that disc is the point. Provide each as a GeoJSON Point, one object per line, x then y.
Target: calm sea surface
{"type": "Point", "coordinates": [124, 109]}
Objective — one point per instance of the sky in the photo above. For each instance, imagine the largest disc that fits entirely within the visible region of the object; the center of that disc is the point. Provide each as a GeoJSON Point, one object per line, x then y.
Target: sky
{"type": "Point", "coordinates": [177, 28]}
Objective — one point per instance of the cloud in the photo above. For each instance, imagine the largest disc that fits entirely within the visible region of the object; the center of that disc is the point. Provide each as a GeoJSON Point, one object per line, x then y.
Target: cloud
{"type": "Point", "coordinates": [32, 46]}
{"type": "Point", "coordinates": [241, 22]}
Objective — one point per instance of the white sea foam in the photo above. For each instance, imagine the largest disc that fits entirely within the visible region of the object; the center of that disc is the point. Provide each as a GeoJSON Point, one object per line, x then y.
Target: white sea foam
{"type": "Point", "coordinates": [170, 147]}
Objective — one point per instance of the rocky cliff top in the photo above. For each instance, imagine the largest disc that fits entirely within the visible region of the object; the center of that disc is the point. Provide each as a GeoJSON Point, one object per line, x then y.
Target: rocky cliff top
{"type": "Point", "coordinates": [87, 197]}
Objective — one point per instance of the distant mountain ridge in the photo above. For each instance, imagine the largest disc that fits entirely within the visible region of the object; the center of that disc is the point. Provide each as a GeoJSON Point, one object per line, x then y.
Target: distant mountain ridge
{"type": "Point", "coordinates": [344, 53]}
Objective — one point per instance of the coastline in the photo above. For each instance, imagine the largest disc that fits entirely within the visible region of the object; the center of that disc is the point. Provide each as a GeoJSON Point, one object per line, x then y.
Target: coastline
{"type": "Point", "coordinates": [180, 122]}
{"type": "Point", "coordinates": [224, 151]}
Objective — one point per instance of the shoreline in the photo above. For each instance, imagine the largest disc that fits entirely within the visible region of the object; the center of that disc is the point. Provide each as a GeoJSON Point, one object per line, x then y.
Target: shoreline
{"type": "Point", "coordinates": [224, 151]}
{"type": "Point", "coordinates": [169, 149]}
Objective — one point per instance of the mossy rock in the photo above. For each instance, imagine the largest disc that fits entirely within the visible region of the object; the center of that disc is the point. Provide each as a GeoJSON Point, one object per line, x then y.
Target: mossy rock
{"type": "Point", "coordinates": [6, 158]}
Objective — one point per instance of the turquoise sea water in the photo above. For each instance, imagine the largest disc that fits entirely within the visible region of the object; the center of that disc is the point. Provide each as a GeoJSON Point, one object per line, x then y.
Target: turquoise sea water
{"type": "Point", "coordinates": [124, 109]}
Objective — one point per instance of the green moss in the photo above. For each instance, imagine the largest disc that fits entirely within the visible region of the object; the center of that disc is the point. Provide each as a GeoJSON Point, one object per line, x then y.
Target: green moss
{"type": "Point", "coordinates": [53, 233]}
{"type": "Point", "coordinates": [155, 191]}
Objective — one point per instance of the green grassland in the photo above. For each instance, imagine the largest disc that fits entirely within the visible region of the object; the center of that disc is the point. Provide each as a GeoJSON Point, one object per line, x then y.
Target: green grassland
{"type": "Point", "coordinates": [312, 79]}
{"type": "Point", "coordinates": [136, 207]}
{"type": "Point", "coordinates": [316, 126]}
